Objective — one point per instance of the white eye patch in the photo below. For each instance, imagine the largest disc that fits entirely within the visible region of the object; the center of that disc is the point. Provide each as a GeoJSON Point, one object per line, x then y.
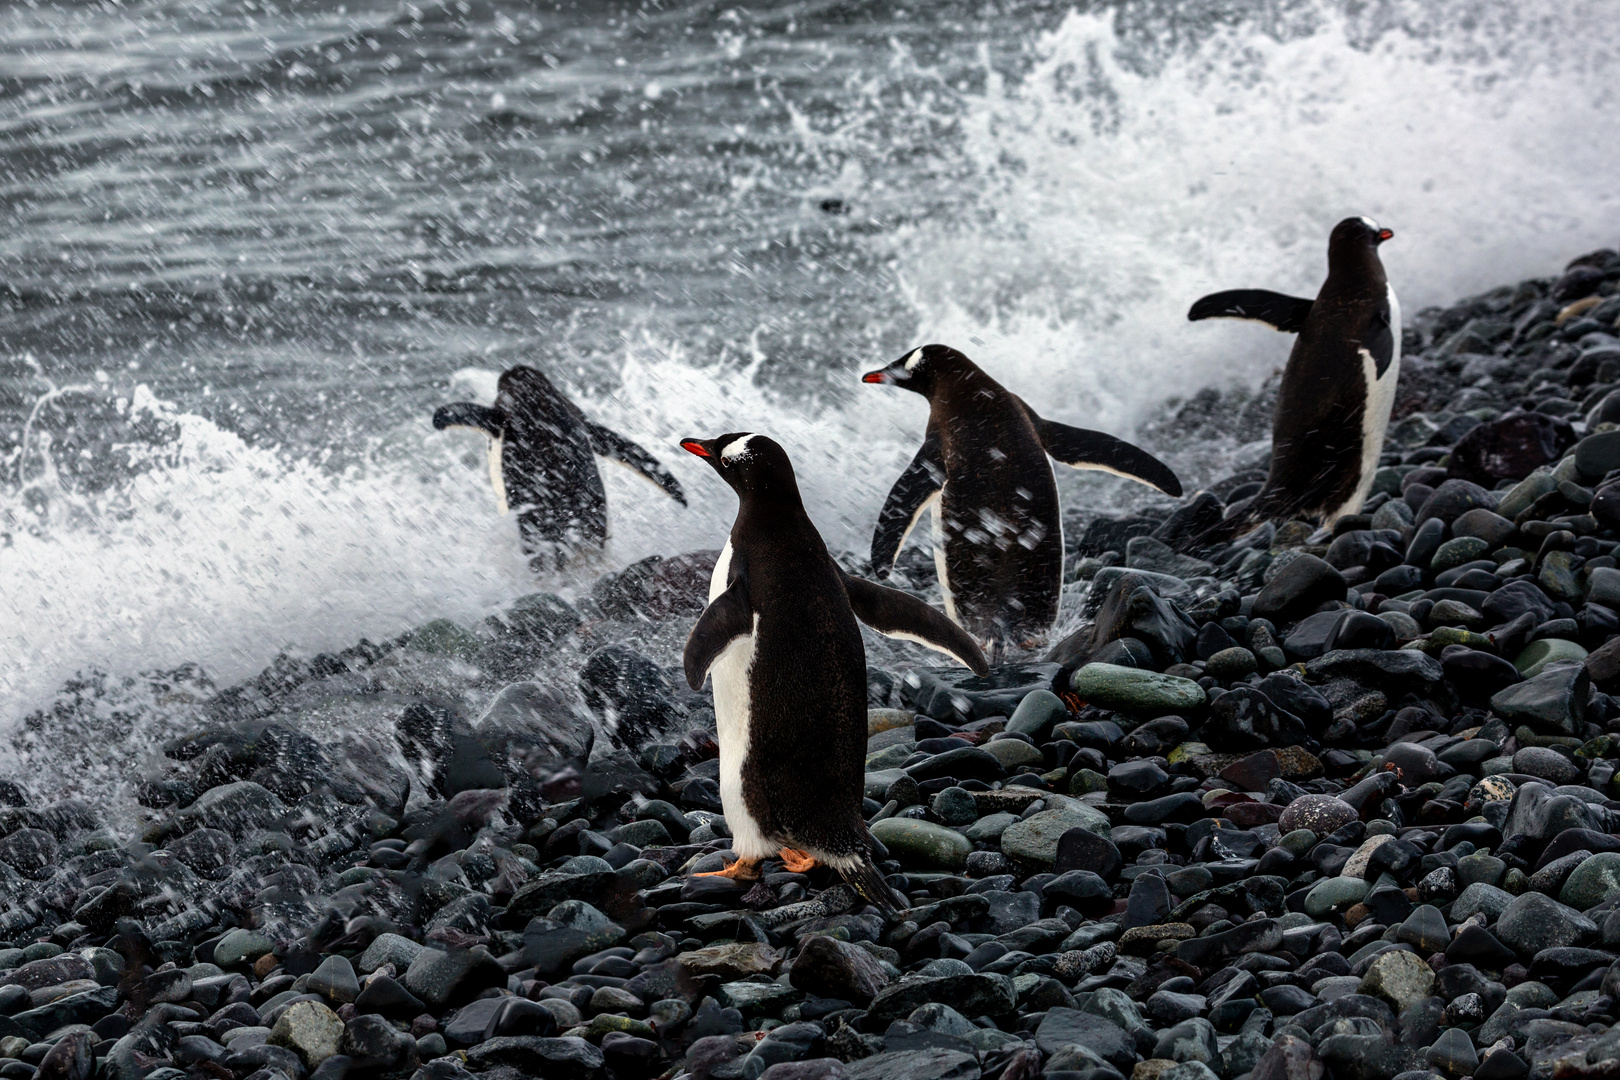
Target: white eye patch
{"type": "Point", "coordinates": [736, 448]}
{"type": "Point", "coordinates": [1370, 223]}
{"type": "Point", "coordinates": [914, 359]}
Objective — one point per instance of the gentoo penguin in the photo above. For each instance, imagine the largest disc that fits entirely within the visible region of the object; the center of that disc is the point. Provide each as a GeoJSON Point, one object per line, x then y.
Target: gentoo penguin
{"type": "Point", "coordinates": [998, 529]}
{"type": "Point", "coordinates": [1337, 390]}
{"type": "Point", "coordinates": [540, 461]}
{"type": "Point", "coordinates": [780, 637]}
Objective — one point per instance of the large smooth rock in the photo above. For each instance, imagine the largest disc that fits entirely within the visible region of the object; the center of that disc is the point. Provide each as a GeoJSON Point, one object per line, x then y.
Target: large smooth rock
{"type": "Point", "coordinates": [923, 844]}
{"type": "Point", "coordinates": [335, 980]}
{"type": "Point", "coordinates": [1539, 812]}
{"type": "Point", "coordinates": [926, 1063]}
{"type": "Point", "coordinates": [1063, 1027]}
{"type": "Point", "coordinates": [1596, 880]}
{"type": "Point", "coordinates": [1554, 700]}
{"type": "Point", "coordinates": [1534, 922]}
{"type": "Point", "coordinates": [1507, 449]}
{"type": "Point", "coordinates": [234, 808]}
{"type": "Point", "coordinates": [1454, 498]}
{"type": "Point", "coordinates": [1134, 690]}
{"type": "Point", "coordinates": [1321, 814]}
{"type": "Point", "coordinates": [829, 968]}
{"type": "Point", "coordinates": [387, 949]}
{"type": "Point", "coordinates": [1305, 584]}
{"type": "Point", "coordinates": [443, 978]}
{"type": "Point", "coordinates": [563, 1058]}
{"type": "Point", "coordinates": [1289, 1058]}
{"type": "Point", "coordinates": [1035, 839]}
{"type": "Point", "coordinates": [971, 995]}
{"type": "Point", "coordinates": [373, 1043]}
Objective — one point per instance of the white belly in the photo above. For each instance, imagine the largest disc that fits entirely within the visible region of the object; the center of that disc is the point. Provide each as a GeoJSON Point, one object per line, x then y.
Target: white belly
{"type": "Point", "coordinates": [722, 567]}
{"type": "Point", "coordinates": [1375, 415]}
{"type": "Point", "coordinates": [732, 708]}
{"type": "Point", "coordinates": [497, 478]}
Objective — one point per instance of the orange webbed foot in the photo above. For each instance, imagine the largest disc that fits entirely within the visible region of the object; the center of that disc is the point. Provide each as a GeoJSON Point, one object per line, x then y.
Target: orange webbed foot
{"type": "Point", "coordinates": [798, 862]}
{"type": "Point", "coordinates": [741, 870]}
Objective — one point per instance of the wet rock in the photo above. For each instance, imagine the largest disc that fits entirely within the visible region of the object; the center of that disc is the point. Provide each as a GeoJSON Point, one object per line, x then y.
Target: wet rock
{"type": "Point", "coordinates": [440, 978]}
{"type": "Point", "coordinates": [1321, 814]}
{"type": "Point", "coordinates": [968, 994]}
{"type": "Point", "coordinates": [830, 968]}
{"type": "Point", "coordinates": [566, 1057]}
{"type": "Point", "coordinates": [1595, 881]}
{"type": "Point", "coordinates": [1035, 839]}
{"type": "Point", "coordinates": [1303, 585]}
{"type": "Point", "coordinates": [1533, 922]}
{"type": "Point", "coordinates": [1114, 687]}
{"type": "Point", "coordinates": [1399, 978]}
{"type": "Point", "coordinates": [373, 1043]}
{"type": "Point", "coordinates": [923, 844]}
{"type": "Point", "coordinates": [1063, 1027]}
{"type": "Point", "coordinates": [310, 1030]}
{"type": "Point", "coordinates": [1554, 700]}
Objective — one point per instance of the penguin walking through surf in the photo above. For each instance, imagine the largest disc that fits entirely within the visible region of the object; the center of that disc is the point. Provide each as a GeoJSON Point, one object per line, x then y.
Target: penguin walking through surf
{"type": "Point", "coordinates": [542, 462]}
{"type": "Point", "coordinates": [780, 637]}
{"type": "Point", "coordinates": [983, 471]}
{"type": "Point", "coordinates": [1337, 390]}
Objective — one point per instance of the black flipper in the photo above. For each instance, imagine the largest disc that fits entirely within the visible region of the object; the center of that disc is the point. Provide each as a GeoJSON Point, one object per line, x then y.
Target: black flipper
{"type": "Point", "coordinates": [466, 414]}
{"type": "Point", "coordinates": [611, 444]}
{"type": "Point", "coordinates": [727, 617]}
{"type": "Point", "coordinates": [923, 479]}
{"type": "Point", "coordinates": [1285, 313]}
{"type": "Point", "coordinates": [1081, 449]}
{"type": "Point", "coordinates": [900, 615]}
{"type": "Point", "coordinates": [1381, 341]}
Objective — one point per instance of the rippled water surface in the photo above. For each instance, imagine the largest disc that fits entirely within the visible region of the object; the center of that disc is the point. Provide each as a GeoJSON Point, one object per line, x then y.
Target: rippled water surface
{"type": "Point", "coordinates": [245, 248]}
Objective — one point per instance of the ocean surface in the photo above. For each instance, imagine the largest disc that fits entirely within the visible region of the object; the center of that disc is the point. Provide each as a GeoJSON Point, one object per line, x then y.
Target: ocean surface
{"type": "Point", "coordinates": [246, 247]}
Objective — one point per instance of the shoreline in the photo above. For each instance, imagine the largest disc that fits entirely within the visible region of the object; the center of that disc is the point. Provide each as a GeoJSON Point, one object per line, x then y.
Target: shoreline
{"type": "Point", "coordinates": [1305, 802]}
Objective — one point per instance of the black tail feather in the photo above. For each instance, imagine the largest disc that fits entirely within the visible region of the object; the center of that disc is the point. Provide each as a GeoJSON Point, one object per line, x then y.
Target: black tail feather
{"type": "Point", "coordinates": [865, 879]}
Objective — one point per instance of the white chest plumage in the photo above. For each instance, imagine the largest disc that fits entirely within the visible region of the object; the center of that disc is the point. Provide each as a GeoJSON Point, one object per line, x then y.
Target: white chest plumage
{"type": "Point", "coordinates": [733, 710]}
{"type": "Point", "coordinates": [1375, 413]}
{"type": "Point", "coordinates": [497, 477]}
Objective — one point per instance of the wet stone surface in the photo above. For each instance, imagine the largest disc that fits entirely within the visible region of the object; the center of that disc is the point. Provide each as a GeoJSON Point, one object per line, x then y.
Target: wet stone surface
{"type": "Point", "coordinates": [1313, 803]}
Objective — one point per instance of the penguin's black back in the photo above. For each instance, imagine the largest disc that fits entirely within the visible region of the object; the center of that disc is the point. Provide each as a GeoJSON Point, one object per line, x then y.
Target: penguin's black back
{"type": "Point", "coordinates": [1003, 523]}
{"type": "Point", "coordinates": [1317, 430]}
{"type": "Point", "coordinates": [802, 778]}
{"type": "Point", "coordinates": [547, 464]}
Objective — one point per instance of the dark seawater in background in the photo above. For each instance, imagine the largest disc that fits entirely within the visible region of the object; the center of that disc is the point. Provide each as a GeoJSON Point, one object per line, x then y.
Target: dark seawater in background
{"type": "Point", "coordinates": [246, 247]}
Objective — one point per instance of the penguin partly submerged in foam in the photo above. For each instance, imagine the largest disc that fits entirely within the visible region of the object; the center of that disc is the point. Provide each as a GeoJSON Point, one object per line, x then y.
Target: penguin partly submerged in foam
{"type": "Point", "coordinates": [983, 469]}
{"type": "Point", "coordinates": [1338, 388]}
{"type": "Point", "coordinates": [781, 639]}
{"type": "Point", "coordinates": [542, 463]}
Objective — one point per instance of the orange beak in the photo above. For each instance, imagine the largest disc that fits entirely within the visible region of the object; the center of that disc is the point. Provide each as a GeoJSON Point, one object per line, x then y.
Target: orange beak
{"type": "Point", "coordinates": [874, 377]}
{"type": "Point", "coordinates": [694, 446]}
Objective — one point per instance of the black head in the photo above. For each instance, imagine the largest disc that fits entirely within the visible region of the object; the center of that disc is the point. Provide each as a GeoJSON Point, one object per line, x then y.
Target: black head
{"type": "Point", "coordinates": [752, 464]}
{"type": "Point", "coordinates": [924, 370]}
{"type": "Point", "coordinates": [1356, 234]}
{"type": "Point", "coordinates": [524, 392]}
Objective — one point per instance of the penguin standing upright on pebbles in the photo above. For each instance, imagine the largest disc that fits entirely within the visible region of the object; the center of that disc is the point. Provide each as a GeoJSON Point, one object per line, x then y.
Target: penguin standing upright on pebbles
{"type": "Point", "coordinates": [998, 528]}
{"type": "Point", "coordinates": [780, 637]}
{"type": "Point", "coordinates": [1338, 388]}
